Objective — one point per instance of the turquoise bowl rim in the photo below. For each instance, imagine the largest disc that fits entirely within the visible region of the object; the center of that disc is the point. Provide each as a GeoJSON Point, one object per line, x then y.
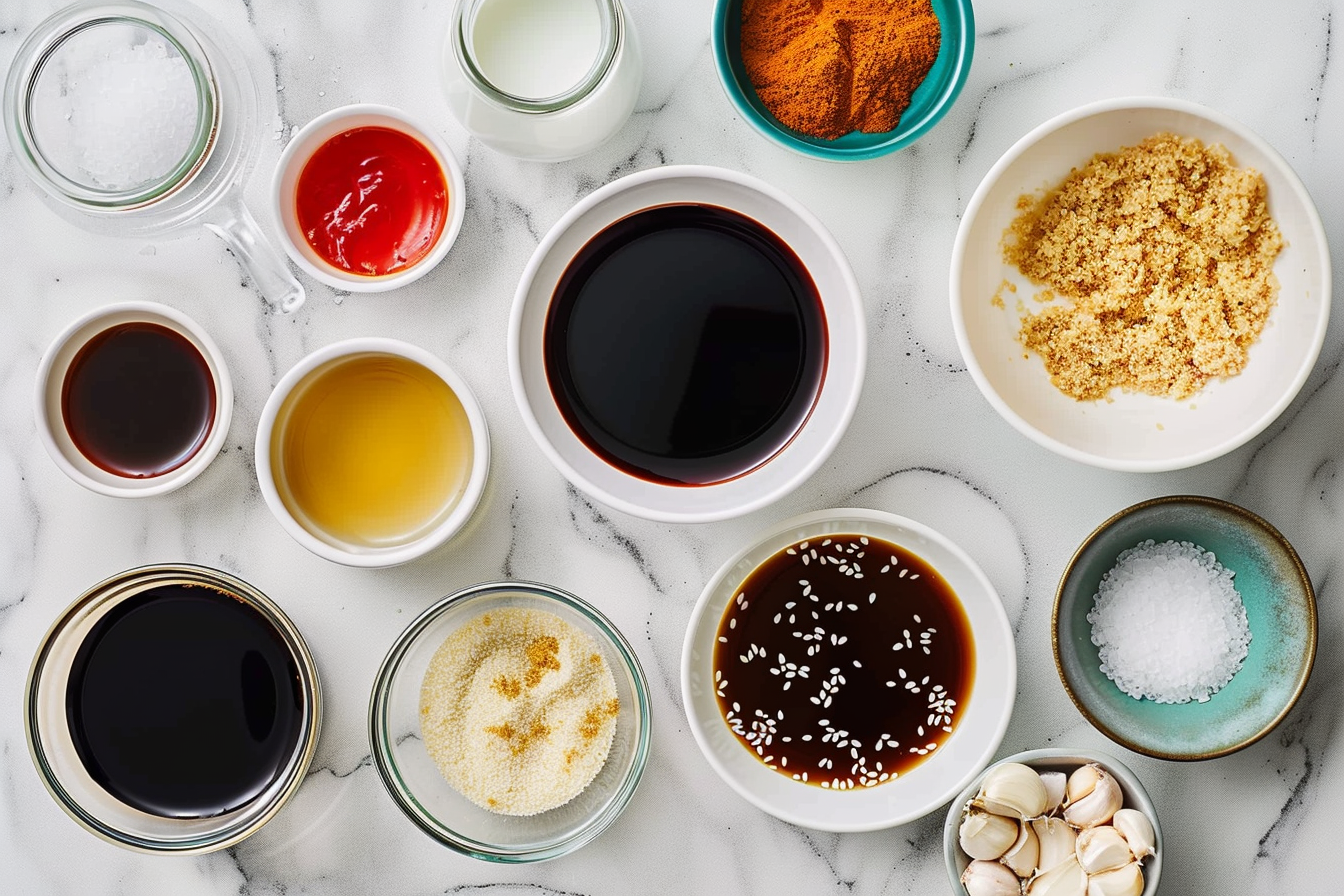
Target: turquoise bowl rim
{"type": "Point", "coordinates": [1247, 520]}
{"type": "Point", "coordinates": [950, 70]}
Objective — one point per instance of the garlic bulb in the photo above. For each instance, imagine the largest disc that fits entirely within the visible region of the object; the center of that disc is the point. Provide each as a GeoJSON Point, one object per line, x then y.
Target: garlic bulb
{"type": "Point", "coordinates": [1065, 879]}
{"type": "Point", "coordinates": [985, 836]}
{"type": "Point", "coordinates": [1094, 797]}
{"type": "Point", "coordinates": [1102, 848]}
{"type": "Point", "coordinates": [1023, 855]}
{"type": "Point", "coordinates": [983, 878]}
{"type": "Point", "coordinates": [1137, 830]}
{"type": "Point", "coordinates": [1057, 841]}
{"type": "Point", "coordinates": [1127, 880]}
{"type": "Point", "coordinates": [1055, 788]}
{"type": "Point", "coordinates": [1014, 790]}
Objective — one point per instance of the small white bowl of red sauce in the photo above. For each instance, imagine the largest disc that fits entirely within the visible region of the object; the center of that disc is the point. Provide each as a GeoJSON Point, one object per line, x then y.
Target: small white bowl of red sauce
{"type": "Point", "coordinates": [367, 198]}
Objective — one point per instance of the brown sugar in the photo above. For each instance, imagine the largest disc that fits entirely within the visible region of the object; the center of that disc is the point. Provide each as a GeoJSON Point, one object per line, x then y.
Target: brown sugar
{"type": "Point", "coordinates": [508, 686]}
{"type": "Point", "coordinates": [828, 67]}
{"type": "Point", "coordinates": [543, 657]}
{"type": "Point", "coordinates": [1166, 252]}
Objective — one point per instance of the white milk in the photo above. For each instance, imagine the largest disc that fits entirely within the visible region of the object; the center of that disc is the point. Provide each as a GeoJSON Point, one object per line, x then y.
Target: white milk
{"type": "Point", "coordinates": [536, 48]}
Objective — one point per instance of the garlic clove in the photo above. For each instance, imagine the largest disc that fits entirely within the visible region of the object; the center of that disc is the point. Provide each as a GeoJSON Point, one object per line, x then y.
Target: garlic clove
{"type": "Point", "coordinates": [985, 836]}
{"type": "Point", "coordinates": [1056, 784]}
{"type": "Point", "coordinates": [1025, 852]}
{"type": "Point", "coordinates": [983, 878]}
{"type": "Point", "coordinates": [1137, 830]}
{"type": "Point", "coordinates": [1093, 799]}
{"type": "Point", "coordinates": [1065, 879]}
{"type": "Point", "coordinates": [1102, 848]}
{"type": "Point", "coordinates": [1057, 841]}
{"type": "Point", "coordinates": [1012, 789]}
{"type": "Point", "coordinates": [1127, 880]}
{"type": "Point", "coordinates": [1083, 779]}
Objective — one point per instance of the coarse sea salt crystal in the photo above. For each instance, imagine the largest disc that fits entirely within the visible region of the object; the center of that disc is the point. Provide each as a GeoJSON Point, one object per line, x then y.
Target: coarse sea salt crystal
{"type": "Point", "coordinates": [1169, 623]}
{"type": "Point", "coordinates": [118, 110]}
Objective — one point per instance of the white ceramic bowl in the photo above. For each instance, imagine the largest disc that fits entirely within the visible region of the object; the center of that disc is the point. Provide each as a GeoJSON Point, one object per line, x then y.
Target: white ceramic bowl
{"type": "Point", "coordinates": [1135, 432]}
{"type": "Point", "coordinates": [339, 550]}
{"type": "Point", "coordinates": [925, 787]}
{"type": "Point", "coordinates": [51, 372]}
{"type": "Point", "coordinates": [835, 401]}
{"type": "Point", "coordinates": [301, 148]}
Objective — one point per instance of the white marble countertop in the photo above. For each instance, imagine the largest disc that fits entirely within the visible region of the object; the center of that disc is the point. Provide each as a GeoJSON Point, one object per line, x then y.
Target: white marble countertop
{"type": "Point", "coordinates": [924, 443]}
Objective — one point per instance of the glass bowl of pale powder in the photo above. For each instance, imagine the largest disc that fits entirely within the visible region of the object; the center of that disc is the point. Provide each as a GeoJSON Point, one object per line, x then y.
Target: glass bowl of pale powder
{"type": "Point", "coordinates": [510, 722]}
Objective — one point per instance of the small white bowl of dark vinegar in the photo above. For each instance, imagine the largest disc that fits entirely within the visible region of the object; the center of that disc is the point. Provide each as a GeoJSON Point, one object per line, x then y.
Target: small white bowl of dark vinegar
{"type": "Point", "coordinates": [687, 344]}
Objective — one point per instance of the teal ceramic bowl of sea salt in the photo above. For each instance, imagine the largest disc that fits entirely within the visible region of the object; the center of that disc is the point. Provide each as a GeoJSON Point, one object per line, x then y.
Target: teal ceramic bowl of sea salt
{"type": "Point", "coordinates": [1280, 610]}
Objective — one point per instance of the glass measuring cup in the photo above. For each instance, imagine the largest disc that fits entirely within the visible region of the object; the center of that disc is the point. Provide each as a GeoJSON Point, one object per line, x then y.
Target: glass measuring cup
{"type": "Point", "coordinates": [135, 121]}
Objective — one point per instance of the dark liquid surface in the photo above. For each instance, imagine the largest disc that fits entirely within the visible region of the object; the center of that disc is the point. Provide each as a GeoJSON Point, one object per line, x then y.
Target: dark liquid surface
{"type": "Point", "coordinates": [845, 671]}
{"type": "Point", "coordinates": [184, 702]}
{"type": "Point", "coordinates": [138, 400]}
{"type": "Point", "coordinates": [685, 344]}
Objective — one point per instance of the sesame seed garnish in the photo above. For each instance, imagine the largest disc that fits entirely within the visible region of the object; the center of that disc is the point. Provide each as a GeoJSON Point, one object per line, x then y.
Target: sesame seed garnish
{"type": "Point", "coordinates": [858, 694]}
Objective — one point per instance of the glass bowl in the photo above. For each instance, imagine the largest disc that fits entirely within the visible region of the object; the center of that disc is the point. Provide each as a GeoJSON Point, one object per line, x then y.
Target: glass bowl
{"type": "Point", "coordinates": [420, 790]}
{"type": "Point", "coordinates": [63, 772]}
{"type": "Point", "coordinates": [928, 104]}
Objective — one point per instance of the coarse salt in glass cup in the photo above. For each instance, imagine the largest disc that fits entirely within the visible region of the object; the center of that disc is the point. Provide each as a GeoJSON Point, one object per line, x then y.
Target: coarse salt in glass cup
{"type": "Point", "coordinates": [140, 120]}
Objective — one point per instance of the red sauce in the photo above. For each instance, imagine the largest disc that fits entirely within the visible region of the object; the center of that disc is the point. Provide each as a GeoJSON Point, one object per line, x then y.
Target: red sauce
{"type": "Point", "coordinates": [372, 201]}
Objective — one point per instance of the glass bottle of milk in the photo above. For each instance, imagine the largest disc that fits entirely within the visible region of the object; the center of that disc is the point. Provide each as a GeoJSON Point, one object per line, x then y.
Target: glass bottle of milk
{"type": "Point", "coordinates": [546, 80]}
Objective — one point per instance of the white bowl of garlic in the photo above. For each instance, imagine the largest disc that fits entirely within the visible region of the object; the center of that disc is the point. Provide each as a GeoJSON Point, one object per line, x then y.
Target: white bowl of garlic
{"type": "Point", "coordinates": [1054, 823]}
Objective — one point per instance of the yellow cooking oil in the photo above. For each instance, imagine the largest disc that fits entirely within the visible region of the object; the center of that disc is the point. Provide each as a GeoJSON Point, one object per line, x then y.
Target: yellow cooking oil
{"type": "Point", "coordinates": [371, 450]}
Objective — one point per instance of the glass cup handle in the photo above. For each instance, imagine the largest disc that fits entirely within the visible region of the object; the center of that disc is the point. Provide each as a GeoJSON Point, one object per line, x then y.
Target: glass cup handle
{"type": "Point", "coordinates": [234, 224]}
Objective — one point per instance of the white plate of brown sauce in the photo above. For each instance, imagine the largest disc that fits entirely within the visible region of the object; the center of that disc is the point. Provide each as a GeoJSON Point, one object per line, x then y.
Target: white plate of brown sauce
{"type": "Point", "coordinates": [1140, 284]}
{"type": "Point", "coordinates": [851, 670]}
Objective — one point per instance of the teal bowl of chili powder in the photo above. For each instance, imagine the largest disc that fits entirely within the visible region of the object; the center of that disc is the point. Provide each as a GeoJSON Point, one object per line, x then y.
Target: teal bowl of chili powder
{"type": "Point", "coordinates": [928, 103]}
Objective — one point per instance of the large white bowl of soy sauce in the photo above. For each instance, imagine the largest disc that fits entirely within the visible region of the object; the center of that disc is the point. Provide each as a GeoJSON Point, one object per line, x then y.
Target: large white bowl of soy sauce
{"type": "Point", "coordinates": [687, 344]}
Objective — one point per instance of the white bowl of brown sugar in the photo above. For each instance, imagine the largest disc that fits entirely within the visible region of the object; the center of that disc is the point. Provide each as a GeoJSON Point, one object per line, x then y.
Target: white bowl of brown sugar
{"type": "Point", "coordinates": [1140, 284]}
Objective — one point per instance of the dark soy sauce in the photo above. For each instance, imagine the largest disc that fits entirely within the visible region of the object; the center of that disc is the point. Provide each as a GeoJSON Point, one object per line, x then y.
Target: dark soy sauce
{"type": "Point", "coordinates": [843, 661]}
{"type": "Point", "coordinates": [138, 400]}
{"type": "Point", "coordinates": [184, 702]}
{"type": "Point", "coordinates": [685, 344]}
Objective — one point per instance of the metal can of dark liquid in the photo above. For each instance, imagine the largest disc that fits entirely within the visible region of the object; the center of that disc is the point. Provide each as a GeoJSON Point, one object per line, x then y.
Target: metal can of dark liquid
{"type": "Point", "coordinates": [173, 709]}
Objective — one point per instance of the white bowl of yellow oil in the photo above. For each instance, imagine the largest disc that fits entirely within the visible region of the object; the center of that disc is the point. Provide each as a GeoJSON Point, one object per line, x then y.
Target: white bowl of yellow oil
{"type": "Point", "coordinates": [372, 452]}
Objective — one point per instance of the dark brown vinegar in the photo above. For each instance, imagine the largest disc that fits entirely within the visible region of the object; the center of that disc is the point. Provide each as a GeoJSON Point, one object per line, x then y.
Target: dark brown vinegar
{"type": "Point", "coordinates": [138, 400]}
{"type": "Point", "coordinates": [184, 702]}
{"type": "Point", "coordinates": [685, 344]}
{"type": "Point", "coordinates": [843, 661]}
